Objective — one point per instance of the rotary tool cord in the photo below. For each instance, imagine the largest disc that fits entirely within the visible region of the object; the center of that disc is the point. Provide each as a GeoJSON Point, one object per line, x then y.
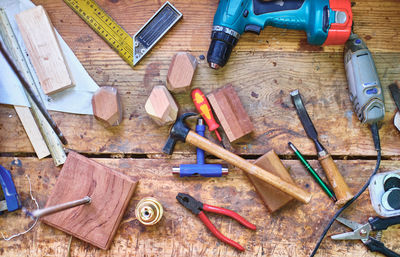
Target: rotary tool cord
{"type": "Point", "coordinates": [375, 136]}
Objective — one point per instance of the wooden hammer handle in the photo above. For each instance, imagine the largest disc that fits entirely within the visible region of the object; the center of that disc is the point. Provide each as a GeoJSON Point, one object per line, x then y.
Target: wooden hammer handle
{"type": "Point", "coordinates": [339, 186]}
{"type": "Point", "coordinates": [248, 167]}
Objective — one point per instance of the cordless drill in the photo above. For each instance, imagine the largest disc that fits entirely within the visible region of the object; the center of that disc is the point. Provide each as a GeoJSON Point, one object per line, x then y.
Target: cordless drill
{"type": "Point", "coordinates": [326, 22]}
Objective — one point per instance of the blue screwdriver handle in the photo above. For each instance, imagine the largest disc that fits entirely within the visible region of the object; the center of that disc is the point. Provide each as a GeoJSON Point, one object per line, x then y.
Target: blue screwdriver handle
{"type": "Point", "coordinates": [10, 193]}
{"type": "Point", "coordinates": [200, 128]}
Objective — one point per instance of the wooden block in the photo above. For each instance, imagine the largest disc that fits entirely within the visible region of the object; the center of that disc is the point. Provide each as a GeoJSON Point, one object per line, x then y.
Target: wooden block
{"type": "Point", "coordinates": [230, 112]}
{"type": "Point", "coordinates": [161, 106]}
{"type": "Point", "coordinates": [273, 199]}
{"type": "Point", "coordinates": [32, 130]}
{"type": "Point", "coordinates": [181, 71]}
{"type": "Point", "coordinates": [44, 50]}
{"type": "Point", "coordinates": [106, 105]}
{"type": "Point", "coordinates": [97, 222]}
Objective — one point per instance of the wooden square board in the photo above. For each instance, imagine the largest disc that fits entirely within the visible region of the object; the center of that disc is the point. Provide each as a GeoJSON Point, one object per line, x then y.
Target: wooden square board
{"type": "Point", "coordinates": [273, 198]}
{"type": "Point", "coordinates": [97, 222]}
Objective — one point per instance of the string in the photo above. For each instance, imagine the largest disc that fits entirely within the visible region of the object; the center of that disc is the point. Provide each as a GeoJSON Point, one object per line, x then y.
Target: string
{"type": "Point", "coordinates": [36, 220]}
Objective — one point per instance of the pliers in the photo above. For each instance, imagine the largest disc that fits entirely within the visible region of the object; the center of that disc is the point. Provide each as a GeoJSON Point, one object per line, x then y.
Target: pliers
{"type": "Point", "coordinates": [362, 231]}
{"type": "Point", "coordinates": [198, 208]}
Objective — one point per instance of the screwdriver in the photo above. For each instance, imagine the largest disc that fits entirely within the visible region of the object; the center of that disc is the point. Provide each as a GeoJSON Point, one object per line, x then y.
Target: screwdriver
{"type": "Point", "coordinates": [203, 107]}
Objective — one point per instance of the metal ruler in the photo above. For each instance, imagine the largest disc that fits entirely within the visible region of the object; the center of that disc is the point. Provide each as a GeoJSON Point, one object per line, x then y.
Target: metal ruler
{"type": "Point", "coordinates": [105, 26]}
{"type": "Point", "coordinates": [11, 43]}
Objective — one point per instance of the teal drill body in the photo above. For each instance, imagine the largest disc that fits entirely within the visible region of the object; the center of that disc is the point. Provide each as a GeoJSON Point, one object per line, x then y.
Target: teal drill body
{"type": "Point", "coordinates": [315, 17]}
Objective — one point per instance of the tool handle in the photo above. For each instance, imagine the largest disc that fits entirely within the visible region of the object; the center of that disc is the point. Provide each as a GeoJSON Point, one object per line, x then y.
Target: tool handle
{"type": "Point", "coordinates": [382, 223]}
{"type": "Point", "coordinates": [218, 234]}
{"type": "Point", "coordinates": [376, 246]}
{"type": "Point", "coordinates": [204, 108]}
{"type": "Point", "coordinates": [200, 129]}
{"type": "Point", "coordinates": [9, 190]}
{"type": "Point", "coordinates": [339, 186]}
{"type": "Point", "coordinates": [248, 167]}
{"type": "Point", "coordinates": [229, 213]}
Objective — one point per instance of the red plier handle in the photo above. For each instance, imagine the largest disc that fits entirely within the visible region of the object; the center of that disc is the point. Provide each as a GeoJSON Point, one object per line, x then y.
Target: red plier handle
{"type": "Point", "coordinates": [226, 212]}
{"type": "Point", "coordinates": [198, 209]}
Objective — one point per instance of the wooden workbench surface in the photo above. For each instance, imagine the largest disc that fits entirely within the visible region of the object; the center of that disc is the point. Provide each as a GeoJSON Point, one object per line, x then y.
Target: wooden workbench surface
{"type": "Point", "coordinates": [263, 69]}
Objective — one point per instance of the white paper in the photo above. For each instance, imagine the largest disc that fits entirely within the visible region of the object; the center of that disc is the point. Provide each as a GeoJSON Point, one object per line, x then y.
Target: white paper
{"type": "Point", "coordinates": [73, 100]}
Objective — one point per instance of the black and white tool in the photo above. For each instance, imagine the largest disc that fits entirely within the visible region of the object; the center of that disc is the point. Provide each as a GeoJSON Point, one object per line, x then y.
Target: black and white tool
{"type": "Point", "coordinates": [362, 232]}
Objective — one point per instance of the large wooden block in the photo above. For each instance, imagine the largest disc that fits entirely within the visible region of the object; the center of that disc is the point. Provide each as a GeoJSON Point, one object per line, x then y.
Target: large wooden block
{"type": "Point", "coordinates": [161, 106]}
{"type": "Point", "coordinates": [44, 50]}
{"type": "Point", "coordinates": [106, 105]}
{"type": "Point", "coordinates": [273, 198]}
{"type": "Point", "coordinates": [230, 112]}
{"type": "Point", "coordinates": [97, 222]}
{"type": "Point", "coordinates": [181, 71]}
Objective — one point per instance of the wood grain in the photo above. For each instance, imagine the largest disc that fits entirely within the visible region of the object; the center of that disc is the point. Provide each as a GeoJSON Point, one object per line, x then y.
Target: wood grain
{"type": "Point", "coordinates": [292, 231]}
{"type": "Point", "coordinates": [44, 50]}
{"type": "Point", "coordinates": [110, 193]}
{"type": "Point", "coordinates": [272, 198]}
{"type": "Point", "coordinates": [265, 96]}
{"type": "Point", "coordinates": [32, 131]}
{"type": "Point", "coordinates": [230, 112]}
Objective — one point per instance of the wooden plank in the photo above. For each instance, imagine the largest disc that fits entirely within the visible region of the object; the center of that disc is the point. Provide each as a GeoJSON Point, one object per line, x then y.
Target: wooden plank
{"type": "Point", "coordinates": [44, 50]}
{"type": "Point", "coordinates": [293, 231]}
{"type": "Point", "coordinates": [263, 85]}
{"type": "Point", "coordinates": [32, 131]}
{"type": "Point", "coordinates": [375, 21]}
{"type": "Point", "coordinates": [110, 193]}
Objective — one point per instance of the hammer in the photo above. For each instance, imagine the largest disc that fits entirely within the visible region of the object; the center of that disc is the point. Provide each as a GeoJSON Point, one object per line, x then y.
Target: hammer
{"type": "Point", "coordinates": [180, 132]}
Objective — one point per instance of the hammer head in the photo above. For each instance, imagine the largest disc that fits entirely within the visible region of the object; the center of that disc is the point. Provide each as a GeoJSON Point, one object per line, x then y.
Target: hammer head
{"type": "Point", "coordinates": [178, 132]}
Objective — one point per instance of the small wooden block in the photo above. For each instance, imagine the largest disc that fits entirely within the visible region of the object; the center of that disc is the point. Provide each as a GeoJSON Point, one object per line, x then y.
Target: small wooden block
{"type": "Point", "coordinates": [181, 71]}
{"type": "Point", "coordinates": [161, 106]}
{"type": "Point", "coordinates": [44, 50]}
{"type": "Point", "coordinates": [230, 112]}
{"type": "Point", "coordinates": [33, 131]}
{"type": "Point", "coordinates": [110, 192]}
{"type": "Point", "coordinates": [273, 198]}
{"type": "Point", "coordinates": [106, 105]}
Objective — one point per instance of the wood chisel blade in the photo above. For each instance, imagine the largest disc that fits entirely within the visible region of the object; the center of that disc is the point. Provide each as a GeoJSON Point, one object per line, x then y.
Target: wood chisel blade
{"type": "Point", "coordinates": [303, 115]}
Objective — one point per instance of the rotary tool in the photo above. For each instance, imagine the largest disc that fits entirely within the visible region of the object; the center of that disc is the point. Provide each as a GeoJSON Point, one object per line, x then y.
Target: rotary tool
{"type": "Point", "coordinates": [326, 22]}
{"type": "Point", "coordinates": [364, 86]}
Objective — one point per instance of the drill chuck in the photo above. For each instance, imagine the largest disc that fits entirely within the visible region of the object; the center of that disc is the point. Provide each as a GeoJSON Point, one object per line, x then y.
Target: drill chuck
{"type": "Point", "coordinates": [222, 42]}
